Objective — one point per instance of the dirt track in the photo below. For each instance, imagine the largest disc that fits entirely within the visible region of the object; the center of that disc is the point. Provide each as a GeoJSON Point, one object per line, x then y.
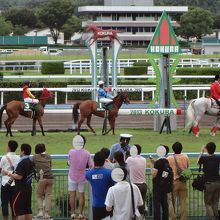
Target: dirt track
{"type": "Point", "coordinates": [64, 122]}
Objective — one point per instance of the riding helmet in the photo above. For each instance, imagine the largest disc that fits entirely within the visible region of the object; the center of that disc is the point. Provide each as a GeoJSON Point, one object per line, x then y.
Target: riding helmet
{"type": "Point", "coordinates": [100, 82]}
{"type": "Point", "coordinates": [27, 83]}
{"type": "Point", "coordinates": [217, 76]}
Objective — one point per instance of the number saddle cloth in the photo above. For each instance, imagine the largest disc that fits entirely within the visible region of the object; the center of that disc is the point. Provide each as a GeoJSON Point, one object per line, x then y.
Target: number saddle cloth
{"type": "Point", "coordinates": [105, 106]}
{"type": "Point", "coordinates": [31, 106]}
{"type": "Point", "coordinates": [215, 104]}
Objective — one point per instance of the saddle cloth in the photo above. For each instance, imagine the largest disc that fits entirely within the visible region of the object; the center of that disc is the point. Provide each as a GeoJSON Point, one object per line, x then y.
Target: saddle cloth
{"type": "Point", "coordinates": [103, 106]}
{"type": "Point", "coordinates": [30, 106]}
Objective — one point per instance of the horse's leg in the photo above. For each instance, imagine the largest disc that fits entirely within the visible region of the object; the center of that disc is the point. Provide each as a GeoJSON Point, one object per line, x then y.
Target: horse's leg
{"type": "Point", "coordinates": [215, 127]}
{"type": "Point", "coordinates": [81, 120]}
{"type": "Point", "coordinates": [112, 125]}
{"type": "Point", "coordinates": [39, 119]}
{"type": "Point", "coordinates": [9, 125]}
{"type": "Point", "coordinates": [195, 127]}
{"type": "Point", "coordinates": [33, 132]}
{"type": "Point", "coordinates": [6, 126]}
{"type": "Point", "coordinates": [89, 123]}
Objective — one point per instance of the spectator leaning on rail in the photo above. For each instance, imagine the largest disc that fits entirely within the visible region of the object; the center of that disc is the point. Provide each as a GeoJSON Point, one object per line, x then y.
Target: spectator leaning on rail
{"type": "Point", "coordinates": [23, 191]}
{"type": "Point", "coordinates": [210, 163]}
{"type": "Point", "coordinates": [122, 146]}
{"type": "Point", "coordinates": [137, 165]}
{"type": "Point", "coordinates": [179, 187]}
{"type": "Point", "coordinates": [103, 96]}
{"type": "Point", "coordinates": [100, 181]}
{"type": "Point", "coordinates": [43, 164]}
{"type": "Point", "coordinates": [8, 163]}
{"type": "Point", "coordinates": [78, 159]}
{"type": "Point", "coordinates": [162, 176]}
{"type": "Point", "coordinates": [119, 197]}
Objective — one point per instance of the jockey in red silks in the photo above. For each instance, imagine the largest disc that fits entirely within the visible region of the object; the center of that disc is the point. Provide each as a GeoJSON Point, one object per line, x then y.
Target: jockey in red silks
{"type": "Point", "coordinates": [215, 94]}
{"type": "Point", "coordinates": [215, 89]}
{"type": "Point", "coordinates": [27, 95]}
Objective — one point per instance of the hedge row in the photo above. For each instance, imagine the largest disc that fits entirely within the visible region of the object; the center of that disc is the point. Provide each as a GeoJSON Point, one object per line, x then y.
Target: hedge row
{"type": "Point", "coordinates": [135, 70]}
{"type": "Point", "coordinates": [187, 71]}
{"type": "Point", "coordinates": [50, 68]}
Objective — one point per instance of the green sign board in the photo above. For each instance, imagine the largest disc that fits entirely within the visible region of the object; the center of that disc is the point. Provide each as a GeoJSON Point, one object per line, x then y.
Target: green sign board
{"type": "Point", "coordinates": [164, 40]}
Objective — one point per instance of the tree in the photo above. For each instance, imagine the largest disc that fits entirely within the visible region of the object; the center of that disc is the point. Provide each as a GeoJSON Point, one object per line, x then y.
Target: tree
{"type": "Point", "coordinates": [195, 23]}
{"type": "Point", "coordinates": [6, 26]}
{"type": "Point", "coordinates": [216, 24]}
{"type": "Point", "coordinates": [72, 25]}
{"type": "Point", "coordinates": [21, 17]}
{"type": "Point", "coordinates": [54, 15]}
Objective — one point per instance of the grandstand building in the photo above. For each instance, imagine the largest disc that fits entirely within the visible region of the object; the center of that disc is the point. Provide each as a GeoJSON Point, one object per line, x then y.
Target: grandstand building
{"type": "Point", "coordinates": [136, 19]}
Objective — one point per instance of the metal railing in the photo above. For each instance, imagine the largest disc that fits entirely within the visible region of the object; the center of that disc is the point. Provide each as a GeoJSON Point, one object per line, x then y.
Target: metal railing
{"type": "Point", "coordinates": [86, 64]}
{"type": "Point", "coordinates": [60, 199]}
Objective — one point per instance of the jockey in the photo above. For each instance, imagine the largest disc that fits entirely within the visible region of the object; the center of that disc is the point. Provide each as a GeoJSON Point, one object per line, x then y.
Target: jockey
{"type": "Point", "coordinates": [215, 89]}
{"type": "Point", "coordinates": [104, 97]}
{"type": "Point", "coordinates": [27, 95]}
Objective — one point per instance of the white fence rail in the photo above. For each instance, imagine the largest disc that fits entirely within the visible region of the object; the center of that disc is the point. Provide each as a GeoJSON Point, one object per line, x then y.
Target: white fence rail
{"type": "Point", "coordinates": [200, 90]}
{"type": "Point", "coordinates": [86, 65]}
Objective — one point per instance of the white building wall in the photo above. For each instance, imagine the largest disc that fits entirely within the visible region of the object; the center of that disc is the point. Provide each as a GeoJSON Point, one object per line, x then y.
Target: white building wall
{"type": "Point", "coordinates": [46, 32]}
{"type": "Point", "coordinates": [128, 2]}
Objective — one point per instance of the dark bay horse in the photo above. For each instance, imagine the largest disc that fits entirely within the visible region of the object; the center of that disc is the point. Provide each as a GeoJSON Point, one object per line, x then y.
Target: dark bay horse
{"type": "Point", "coordinates": [16, 108]}
{"type": "Point", "coordinates": [89, 107]}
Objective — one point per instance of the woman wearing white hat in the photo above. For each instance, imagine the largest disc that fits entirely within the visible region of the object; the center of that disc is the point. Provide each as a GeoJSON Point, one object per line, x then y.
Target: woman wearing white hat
{"type": "Point", "coordinates": [104, 97]}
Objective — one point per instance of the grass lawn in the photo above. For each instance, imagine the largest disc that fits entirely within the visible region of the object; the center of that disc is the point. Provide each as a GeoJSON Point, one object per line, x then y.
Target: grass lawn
{"type": "Point", "coordinates": [61, 142]}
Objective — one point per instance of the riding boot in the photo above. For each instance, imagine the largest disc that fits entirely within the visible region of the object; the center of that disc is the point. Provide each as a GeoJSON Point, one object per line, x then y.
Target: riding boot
{"type": "Point", "coordinates": [33, 114]}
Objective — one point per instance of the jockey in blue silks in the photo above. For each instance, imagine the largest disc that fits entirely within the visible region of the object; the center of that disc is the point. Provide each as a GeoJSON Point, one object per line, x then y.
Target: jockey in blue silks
{"type": "Point", "coordinates": [104, 97]}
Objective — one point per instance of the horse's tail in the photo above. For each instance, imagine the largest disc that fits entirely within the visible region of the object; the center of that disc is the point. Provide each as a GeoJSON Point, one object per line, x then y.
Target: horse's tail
{"type": "Point", "coordinates": [75, 113]}
{"type": "Point", "coordinates": [1, 112]}
{"type": "Point", "coordinates": [190, 115]}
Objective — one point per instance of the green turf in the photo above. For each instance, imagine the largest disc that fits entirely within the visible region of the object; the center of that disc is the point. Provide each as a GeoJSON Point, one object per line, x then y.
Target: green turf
{"type": "Point", "coordinates": [61, 142]}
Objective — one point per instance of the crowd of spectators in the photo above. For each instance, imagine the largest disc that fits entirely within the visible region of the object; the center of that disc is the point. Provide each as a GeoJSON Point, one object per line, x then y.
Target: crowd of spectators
{"type": "Point", "coordinates": [117, 179]}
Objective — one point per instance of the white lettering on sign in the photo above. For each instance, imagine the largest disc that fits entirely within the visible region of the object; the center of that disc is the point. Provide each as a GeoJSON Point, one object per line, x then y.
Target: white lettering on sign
{"type": "Point", "coordinates": [164, 49]}
{"type": "Point", "coordinates": [105, 33]}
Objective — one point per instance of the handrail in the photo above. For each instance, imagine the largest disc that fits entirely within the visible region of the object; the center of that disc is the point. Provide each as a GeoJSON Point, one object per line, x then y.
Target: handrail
{"type": "Point", "coordinates": [128, 88]}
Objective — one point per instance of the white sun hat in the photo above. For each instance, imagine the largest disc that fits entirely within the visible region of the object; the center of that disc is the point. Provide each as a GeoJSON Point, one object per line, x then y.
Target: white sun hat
{"type": "Point", "coordinates": [100, 82]}
{"type": "Point", "coordinates": [78, 142]}
{"type": "Point", "coordinates": [126, 135]}
{"type": "Point", "coordinates": [117, 174]}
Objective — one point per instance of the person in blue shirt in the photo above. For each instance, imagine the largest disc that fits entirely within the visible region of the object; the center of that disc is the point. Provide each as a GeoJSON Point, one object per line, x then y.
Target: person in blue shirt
{"type": "Point", "coordinates": [100, 181]}
{"type": "Point", "coordinates": [103, 96]}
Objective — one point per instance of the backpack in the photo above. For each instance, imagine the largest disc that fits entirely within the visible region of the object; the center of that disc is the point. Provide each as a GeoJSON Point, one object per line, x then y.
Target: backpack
{"type": "Point", "coordinates": [167, 178]}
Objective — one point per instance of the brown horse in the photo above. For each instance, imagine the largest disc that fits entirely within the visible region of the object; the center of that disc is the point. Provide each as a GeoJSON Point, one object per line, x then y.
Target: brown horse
{"type": "Point", "coordinates": [100, 33]}
{"type": "Point", "coordinates": [89, 108]}
{"type": "Point", "coordinates": [16, 108]}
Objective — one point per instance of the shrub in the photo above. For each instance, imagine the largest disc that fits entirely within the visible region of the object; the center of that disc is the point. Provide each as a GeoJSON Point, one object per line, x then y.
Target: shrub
{"type": "Point", "coordinates": [51, 68]}
{"type": "Point", "coordinates": [135, 70]}
{"type": "Point", "coordinates": [142, 63]}
{"type": "Point", "coordinates": [197, 71]}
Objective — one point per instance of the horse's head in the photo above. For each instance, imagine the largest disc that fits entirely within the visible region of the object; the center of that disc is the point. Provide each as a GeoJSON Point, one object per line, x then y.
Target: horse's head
{"type": "Point", "coordinates": [46, 94]}
{"type": "Point", "coordinates": [123, 97]}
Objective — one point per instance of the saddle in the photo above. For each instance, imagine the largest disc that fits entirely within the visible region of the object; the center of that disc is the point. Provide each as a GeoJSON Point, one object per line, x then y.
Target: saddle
{"type": "Point", "coordinates": [105, 106]}
{"type": "Point", "coordinates": [31, 107]}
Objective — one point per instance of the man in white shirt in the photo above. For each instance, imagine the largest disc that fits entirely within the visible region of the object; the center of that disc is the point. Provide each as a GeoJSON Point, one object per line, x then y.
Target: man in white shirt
{"type": "Point", "coordinates": [119, 197]}
{"type": "Point", "coordinates": [137, 165]}
{"type": "Point", "coordinates": [8, 163]}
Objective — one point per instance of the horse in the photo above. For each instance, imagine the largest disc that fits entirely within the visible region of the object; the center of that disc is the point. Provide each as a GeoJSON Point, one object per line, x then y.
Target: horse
{"type": "Point", "coordinates": [89, 107]}
{"type": "Point", "coordinates": [16, 108]}
{"type": "Point", "coordinates": [195, 111]}
{"type": "Point", "coordinates": [100, 33]}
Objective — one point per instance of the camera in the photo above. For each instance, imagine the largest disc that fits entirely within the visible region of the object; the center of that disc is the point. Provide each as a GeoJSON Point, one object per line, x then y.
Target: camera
{"type": "Point", "coordinates": [9, 182]}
